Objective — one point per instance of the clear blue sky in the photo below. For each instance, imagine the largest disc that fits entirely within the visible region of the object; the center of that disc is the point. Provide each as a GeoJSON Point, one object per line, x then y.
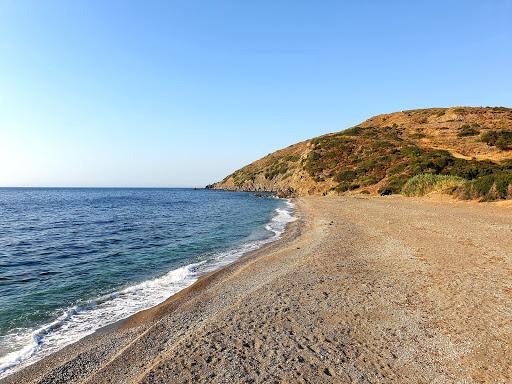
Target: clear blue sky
{"type": "Point", "coordinates": [181, 93]}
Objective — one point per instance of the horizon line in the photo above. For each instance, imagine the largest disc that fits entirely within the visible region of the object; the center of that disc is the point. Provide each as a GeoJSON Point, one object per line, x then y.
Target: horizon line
{"type": "Point", "coordinates": [95, 187]}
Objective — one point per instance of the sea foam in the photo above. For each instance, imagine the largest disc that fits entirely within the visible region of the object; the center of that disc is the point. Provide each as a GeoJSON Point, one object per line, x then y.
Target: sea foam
{"type": "Point", "coordinates": [79, 321]}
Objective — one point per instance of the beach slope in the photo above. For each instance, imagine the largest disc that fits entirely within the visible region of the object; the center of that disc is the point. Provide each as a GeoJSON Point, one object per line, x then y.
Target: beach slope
{"type": "Point", "coordinates": [362, 289]}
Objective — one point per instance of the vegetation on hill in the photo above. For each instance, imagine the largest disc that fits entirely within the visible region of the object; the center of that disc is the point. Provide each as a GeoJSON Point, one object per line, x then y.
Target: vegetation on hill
{"type": "Point", "coordinates": [464, 151]}
{"type": "Point", "coordinates": [501, 139]}
{"type": "Point", "coordinates": [426, 183]}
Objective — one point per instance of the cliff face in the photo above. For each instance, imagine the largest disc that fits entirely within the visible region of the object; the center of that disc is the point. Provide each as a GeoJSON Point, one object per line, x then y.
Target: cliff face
{"type": "Point", "coordinates": [281, 172]}
{"type": "Point", "coordinates": [382, 153]}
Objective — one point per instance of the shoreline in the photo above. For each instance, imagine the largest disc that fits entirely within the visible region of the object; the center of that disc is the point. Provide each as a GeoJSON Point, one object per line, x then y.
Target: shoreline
{"type": "Point", "coordinates": [353, 291]}
{"type": "Point", "coordinates": [202, 281]}
{"type": "Point", "coordinates": [291, 231]}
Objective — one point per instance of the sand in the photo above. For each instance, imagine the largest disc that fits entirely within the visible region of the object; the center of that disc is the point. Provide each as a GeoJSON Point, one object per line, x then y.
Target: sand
{"type": "Point", "coordinates": [364, 290]}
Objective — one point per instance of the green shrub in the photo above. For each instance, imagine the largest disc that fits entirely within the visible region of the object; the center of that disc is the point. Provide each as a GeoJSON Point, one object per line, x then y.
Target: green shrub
{"type": "Point", "coordinates": [342, 187]}
{"type": "Point", "coordinates": [311, 165]}
{"type": "Point", "coordinates": [275, 170]}
{"type": "Point", "coordinates": [395, 184]}
{"type": "Point", "coordinates": [483, 185]}
{"type": "Point", "coordinates": [244, 175]}
{"type": "Point", "coordinates": [366, 181]}
{"type": "Point", "coordinates": [291, 158]}
{"type": "Point", "coordinates": [490, 187]}
{"type": "Point", "coordinates": [366, 156]}
{"type": "Point", "coordinates": [502, 184]}
{"type": "Point", "coordinates": [471, 169]}
{"type": "Point", "coordinates": [423, 184]}
{"type": "Point", "coordinates": [501, 139]}
{"type": "Point", "coordinates": [507, 165]}
{"type": "Point", "coordinates": [366, 165]}
{"type": "Point", "coordinates": [347, 175]}
{"type": "Point", "coordinates": [354, 131]}
{"type": "Point", "coordinates": [346, 186]}
{"type": "Point", "coordinates": [489, 137]}
{"type": "Point", "coordinates": [381, 145]}
{"type": "Point", "coordinates": [469, 130]}
{"type": "Point", "coordinates": [503, 143]}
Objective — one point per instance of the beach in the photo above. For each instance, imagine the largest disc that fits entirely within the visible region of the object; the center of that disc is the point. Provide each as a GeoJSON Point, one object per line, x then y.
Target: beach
{"type": "Point", "coordinates": [358, 289]}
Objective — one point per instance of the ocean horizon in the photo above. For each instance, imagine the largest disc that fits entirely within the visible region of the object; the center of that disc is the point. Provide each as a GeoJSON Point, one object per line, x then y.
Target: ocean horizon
{"type": "Point", "coordinates": [74, 260]}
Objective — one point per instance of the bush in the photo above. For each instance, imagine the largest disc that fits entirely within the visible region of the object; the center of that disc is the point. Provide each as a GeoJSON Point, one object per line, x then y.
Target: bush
{"type": "Point", "coordinates": [470, 169]}
{"type": "Point", "coordinates": [311, 165]}
{"type": "Point", "coordinates": [503, 143]}
{"type": "Point", "coordinates": [367, 156]}
{"type": "Point", "coordinates": [292, 158]}
{"type": "Point", "coordinates": [275, 170]}
{"type": "Point", "coordinates": [502, 184]}
{"type": "Point", "coordinates": [394, 184]}
{"type": "Point", "coordinates": [423, 184]}
{"type": "Point", "coordinates": [482, 186]}
{"type": "Point", "coordinates": [366, 181]}
{"type": "Point", "coordinates": [354, 131]}
{"type": "Point", "coordinates": [342, 187]}
{"type": "Point", "coordinates": [489, 138]}
{"type": "Point", "coordinates": [469, 130]}
{"type": "Point", "coordinates": [500, 139]}
{"type": "Point", "coordinates": [490, 187]}
{"type": "Point", "coordinates": [346, 175]}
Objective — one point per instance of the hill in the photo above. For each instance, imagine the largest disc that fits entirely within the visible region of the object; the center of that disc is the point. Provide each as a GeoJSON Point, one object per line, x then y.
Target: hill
{"type": "Point", "coordinates": [461, 150]}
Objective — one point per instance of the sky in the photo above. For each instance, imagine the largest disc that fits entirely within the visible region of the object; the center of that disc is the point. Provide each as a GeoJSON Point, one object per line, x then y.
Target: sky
{"type": "Point", "coordinates": [181, 93]}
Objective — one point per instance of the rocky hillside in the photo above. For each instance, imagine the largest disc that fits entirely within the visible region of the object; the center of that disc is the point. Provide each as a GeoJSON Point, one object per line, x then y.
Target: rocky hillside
{"type": "Point", "coordinates": [380, 155]}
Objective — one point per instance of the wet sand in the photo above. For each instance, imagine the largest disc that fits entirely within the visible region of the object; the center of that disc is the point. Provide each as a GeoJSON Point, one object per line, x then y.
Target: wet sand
{"type": "Point", "coordinates": [365, 290]}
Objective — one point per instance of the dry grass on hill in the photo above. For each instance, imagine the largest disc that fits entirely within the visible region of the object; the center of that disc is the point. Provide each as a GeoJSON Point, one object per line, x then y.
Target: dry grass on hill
{"type": "Point", "coordinates": [381, 154]}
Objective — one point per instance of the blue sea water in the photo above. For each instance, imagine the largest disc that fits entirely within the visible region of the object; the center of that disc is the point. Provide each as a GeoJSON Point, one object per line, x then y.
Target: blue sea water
{"type": "Point", "coordinates": [75, 260]}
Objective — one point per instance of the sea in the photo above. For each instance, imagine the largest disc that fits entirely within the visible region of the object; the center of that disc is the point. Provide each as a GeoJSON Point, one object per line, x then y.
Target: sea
{"type": "Point", "coordinates": [74, 260]}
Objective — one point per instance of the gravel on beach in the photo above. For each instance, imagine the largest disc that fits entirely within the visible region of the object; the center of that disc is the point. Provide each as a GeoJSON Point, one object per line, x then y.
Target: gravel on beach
{"type": "Point", "coordinates": [358, 290]}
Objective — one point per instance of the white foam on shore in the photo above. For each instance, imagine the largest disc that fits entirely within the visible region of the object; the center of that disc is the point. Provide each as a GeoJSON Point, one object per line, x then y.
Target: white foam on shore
{"type": "Point", "coordinates": [79, 321]}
